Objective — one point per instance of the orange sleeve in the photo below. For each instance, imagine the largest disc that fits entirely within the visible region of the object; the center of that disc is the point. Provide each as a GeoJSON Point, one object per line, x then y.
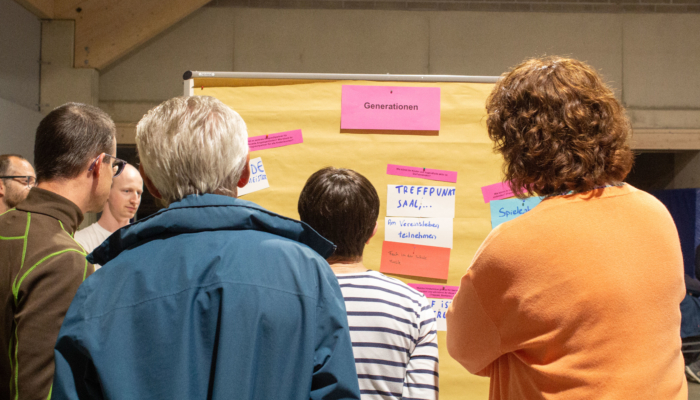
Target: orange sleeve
{"type": "Point", "coordinates": [472, 337]}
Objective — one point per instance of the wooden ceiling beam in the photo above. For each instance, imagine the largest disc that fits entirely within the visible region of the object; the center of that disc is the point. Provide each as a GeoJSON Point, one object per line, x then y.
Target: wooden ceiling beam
{"type": "Point", "coordinates": [63, 7]}
{"type": "Point", "coordinates": [106, 30]}
{"type": "Point", "coordinates": [41, 8]}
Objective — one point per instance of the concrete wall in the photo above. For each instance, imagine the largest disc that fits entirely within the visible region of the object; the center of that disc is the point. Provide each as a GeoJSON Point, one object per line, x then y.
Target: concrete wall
{"type": "Point", "coordinates": [651, 60]}
{"type": "Point", "coordinates": [17, 128]}
{"type": "Point", "coordinates": [20, 39]}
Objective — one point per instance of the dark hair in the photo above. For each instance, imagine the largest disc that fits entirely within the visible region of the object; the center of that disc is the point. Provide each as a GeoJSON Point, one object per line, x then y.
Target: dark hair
{"type": "Point", "coordinates": [558, 127]}
{"type": "Point", "coordinates": [68, 138]}
{"type": "Point", "coordinates": [5, 162]}
{"type": "Point", "coordinates": [343, 206]}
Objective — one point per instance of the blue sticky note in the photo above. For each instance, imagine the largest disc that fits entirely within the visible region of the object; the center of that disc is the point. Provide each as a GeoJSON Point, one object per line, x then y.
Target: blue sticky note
{"type": "Point", "coordinates": [508, 209]}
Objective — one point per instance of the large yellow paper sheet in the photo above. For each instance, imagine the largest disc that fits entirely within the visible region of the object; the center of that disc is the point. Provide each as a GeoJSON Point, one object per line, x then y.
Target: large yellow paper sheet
{"type": "Point", "coordinates": [462, 145]}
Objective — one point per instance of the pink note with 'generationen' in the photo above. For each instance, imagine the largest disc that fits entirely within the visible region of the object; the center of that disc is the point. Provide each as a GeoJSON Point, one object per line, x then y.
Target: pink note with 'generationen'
{"type": "Point", "coordinates": [425, 173]}
{"type": "Point", "coordinates": [273, 140]}
{"type": "Point", "coordinates": [398, 108]}
{"type": "Point", "coordinates": [435, 291]}
{"type": "Point", "coordinates": [497, 191]}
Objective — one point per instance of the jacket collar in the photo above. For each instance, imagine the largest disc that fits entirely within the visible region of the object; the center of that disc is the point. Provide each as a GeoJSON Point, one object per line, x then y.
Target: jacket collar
{"type": "Point", "coordinates": [48, 203]}
{"type": "Point", "coordinates": [209, 212]}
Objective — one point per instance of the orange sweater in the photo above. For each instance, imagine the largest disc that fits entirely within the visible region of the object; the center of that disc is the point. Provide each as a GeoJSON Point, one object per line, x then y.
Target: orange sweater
{"type": "Point", "coordinates": [577, 299]}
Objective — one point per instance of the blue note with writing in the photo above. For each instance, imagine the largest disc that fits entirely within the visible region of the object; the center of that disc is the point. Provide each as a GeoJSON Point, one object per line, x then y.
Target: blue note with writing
{"type": "Point", "coordinates": [506, 210]}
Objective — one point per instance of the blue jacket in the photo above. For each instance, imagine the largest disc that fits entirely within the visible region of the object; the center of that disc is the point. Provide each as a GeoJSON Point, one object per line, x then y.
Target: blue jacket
{"type": "Point", "coordinates": [211, 298]}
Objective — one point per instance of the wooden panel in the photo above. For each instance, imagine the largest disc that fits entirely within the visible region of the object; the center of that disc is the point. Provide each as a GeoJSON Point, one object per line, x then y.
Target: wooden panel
{"type": "Point", "coordinates": [41, 8]}
{"type": "Point", "coordinates": [63, 7]}
{"type": "Point", "coordinates": [666, 139]}
{"type": "Point", "coordinates": [106, 30]}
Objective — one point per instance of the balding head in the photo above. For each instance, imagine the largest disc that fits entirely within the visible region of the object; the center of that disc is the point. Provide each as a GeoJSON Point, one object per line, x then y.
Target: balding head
{"type": "Point", "coordinates": [125, 196]}
{"type": "Point", "coordinates": [14, 190]}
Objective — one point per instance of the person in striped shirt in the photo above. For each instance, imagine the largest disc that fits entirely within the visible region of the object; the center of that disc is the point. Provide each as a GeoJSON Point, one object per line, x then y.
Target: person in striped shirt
{"type": "Point", "coordinates": [392, 326]}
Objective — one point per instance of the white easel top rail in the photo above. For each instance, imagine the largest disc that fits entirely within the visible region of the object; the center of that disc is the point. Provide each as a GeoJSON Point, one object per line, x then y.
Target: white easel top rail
{"type": "Point", "coordinates": [189, 75]}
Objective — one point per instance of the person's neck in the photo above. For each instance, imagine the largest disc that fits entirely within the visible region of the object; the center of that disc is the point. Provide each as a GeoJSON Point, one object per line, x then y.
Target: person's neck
{"type": "Point", "coordinates": [110, 222]}
{"type": "Point", "coordinates": [3, 207]}
{"type": "Point", "coordinates": [346, 266]}
{"type": "Point", "coordinates": [71, 190]}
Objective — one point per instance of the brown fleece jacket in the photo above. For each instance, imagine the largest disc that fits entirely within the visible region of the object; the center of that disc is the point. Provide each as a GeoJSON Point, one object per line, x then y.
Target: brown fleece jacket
{"type": "Point", "coordinates": [41, 267]}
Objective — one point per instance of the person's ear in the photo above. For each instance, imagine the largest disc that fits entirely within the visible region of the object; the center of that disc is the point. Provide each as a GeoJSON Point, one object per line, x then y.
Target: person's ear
{"type": "Point", "coordinates": [97, 169]}
{"type": "Point", "coordinates": [2, 188]}
{"type": "Point", "coordinates": [374, 232]}
{"type": "Point", "coordinates": [245, 175]}
{"type": "Point", "coordinates": [149, 185]}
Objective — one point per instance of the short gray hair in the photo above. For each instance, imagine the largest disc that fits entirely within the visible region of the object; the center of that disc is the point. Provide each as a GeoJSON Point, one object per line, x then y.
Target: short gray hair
{"type": "Point", "coordinates": [192, 145]}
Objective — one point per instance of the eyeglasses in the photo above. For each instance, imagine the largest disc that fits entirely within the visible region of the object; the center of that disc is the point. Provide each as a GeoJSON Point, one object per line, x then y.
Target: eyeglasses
{"type": "Point", "coordinates": [29, 181]}
{"type": "Point", "coordinates": [117, 164]}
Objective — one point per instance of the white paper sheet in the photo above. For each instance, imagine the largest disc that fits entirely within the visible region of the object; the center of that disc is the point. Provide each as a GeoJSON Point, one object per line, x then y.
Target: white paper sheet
{"type": "Point", "coordinates": [435, 232]}
{"type": "Point", "coordinates": [258, 178]}
{"type": "Point", "coordinates": [440, 307]}
{"type": "Point", "coordinates": [420, 201]}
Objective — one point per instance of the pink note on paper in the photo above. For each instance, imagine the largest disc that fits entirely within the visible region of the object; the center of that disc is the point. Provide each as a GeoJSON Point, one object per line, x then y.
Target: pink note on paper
{"type": "Point", "coordinates": [273, 140]}
{"type": "Point", "coordinates": [497, 191]}
{"type": "Point", "coordinates": [425, 173]}
{"type": "Point", "coordinates": [435, 291]}
{"type": "Point", "coordinates": [399, 108]}
{"type": "Point", "coordinates": [415, 260]}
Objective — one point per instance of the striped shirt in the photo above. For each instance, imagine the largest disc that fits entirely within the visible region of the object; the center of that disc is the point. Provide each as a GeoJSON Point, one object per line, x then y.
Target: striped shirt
{"type": "Point", "coordinates": [394, 337]}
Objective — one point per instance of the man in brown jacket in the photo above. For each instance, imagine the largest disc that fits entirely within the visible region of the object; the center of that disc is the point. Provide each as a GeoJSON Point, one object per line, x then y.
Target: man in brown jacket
{"type": "Point", "coordinates": [41, 266]}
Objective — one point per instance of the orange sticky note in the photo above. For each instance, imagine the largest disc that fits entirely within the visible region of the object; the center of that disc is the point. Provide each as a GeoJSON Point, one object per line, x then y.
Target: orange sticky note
{"type": "Point", "coordinates": [415, 260]}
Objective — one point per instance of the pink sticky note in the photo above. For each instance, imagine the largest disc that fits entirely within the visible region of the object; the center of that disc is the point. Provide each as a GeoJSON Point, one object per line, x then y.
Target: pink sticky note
{"type": "Point", "coordinates": [425, 173]}
{"type": "Point", "coordinates": [273, 140]}
{"type": "Point", "coordinates": [399, 108]}
{"type": "Point", "coordinates": [497, 191]}
{"type": "Point", "coordinates": [435, 291]}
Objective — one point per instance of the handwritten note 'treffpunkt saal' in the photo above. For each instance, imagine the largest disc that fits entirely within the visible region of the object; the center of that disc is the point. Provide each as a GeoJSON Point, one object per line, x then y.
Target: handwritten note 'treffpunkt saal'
{"type": "Point", "coordinates": [420, 201]}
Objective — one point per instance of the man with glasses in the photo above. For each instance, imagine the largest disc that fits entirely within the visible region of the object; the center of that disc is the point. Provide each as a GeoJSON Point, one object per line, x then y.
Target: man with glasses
{"type": "Point", "coordinates": [16, 178]}
{"type": "Point", "coordinates": [41, 265]}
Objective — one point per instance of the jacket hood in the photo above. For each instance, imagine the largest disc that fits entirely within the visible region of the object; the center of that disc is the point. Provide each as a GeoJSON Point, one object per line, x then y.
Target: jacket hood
{"type": "Point", "coordinates": [209, 212]}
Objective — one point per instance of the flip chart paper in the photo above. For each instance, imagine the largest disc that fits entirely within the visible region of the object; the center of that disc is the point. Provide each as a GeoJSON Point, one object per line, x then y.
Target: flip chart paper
{"type": "Point", "coordinates": [273, 140]}
{"type": "Point", "coordinates": [400, 108]}
{"type": "Point", "coordinates": [435, 291]}
{"type": "Point", "coordinates": [425, 173]}
{"type": "Point", "coordinates": [258, 178]}
{"type": "Point", "coordinates": [497, 191]}
{"type": "Point", "coordinates": [424, 231]}
{"type": "Point", "coordinates": [506, 210]}
{"type": "Point", "coordinates": [420, 201]}
{"type": "Point", "coordinates": [415, 260]}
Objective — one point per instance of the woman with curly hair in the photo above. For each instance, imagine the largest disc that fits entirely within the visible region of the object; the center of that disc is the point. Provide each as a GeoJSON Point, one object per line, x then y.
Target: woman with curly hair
{"type": "Point", "coordinates": [579, 298]}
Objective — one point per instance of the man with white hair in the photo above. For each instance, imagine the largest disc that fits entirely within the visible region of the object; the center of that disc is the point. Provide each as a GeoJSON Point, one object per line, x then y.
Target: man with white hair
{"type": "Point", "coordinates": [213, 297]}
{"type": "Point", "coordinates": [122, 204]}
